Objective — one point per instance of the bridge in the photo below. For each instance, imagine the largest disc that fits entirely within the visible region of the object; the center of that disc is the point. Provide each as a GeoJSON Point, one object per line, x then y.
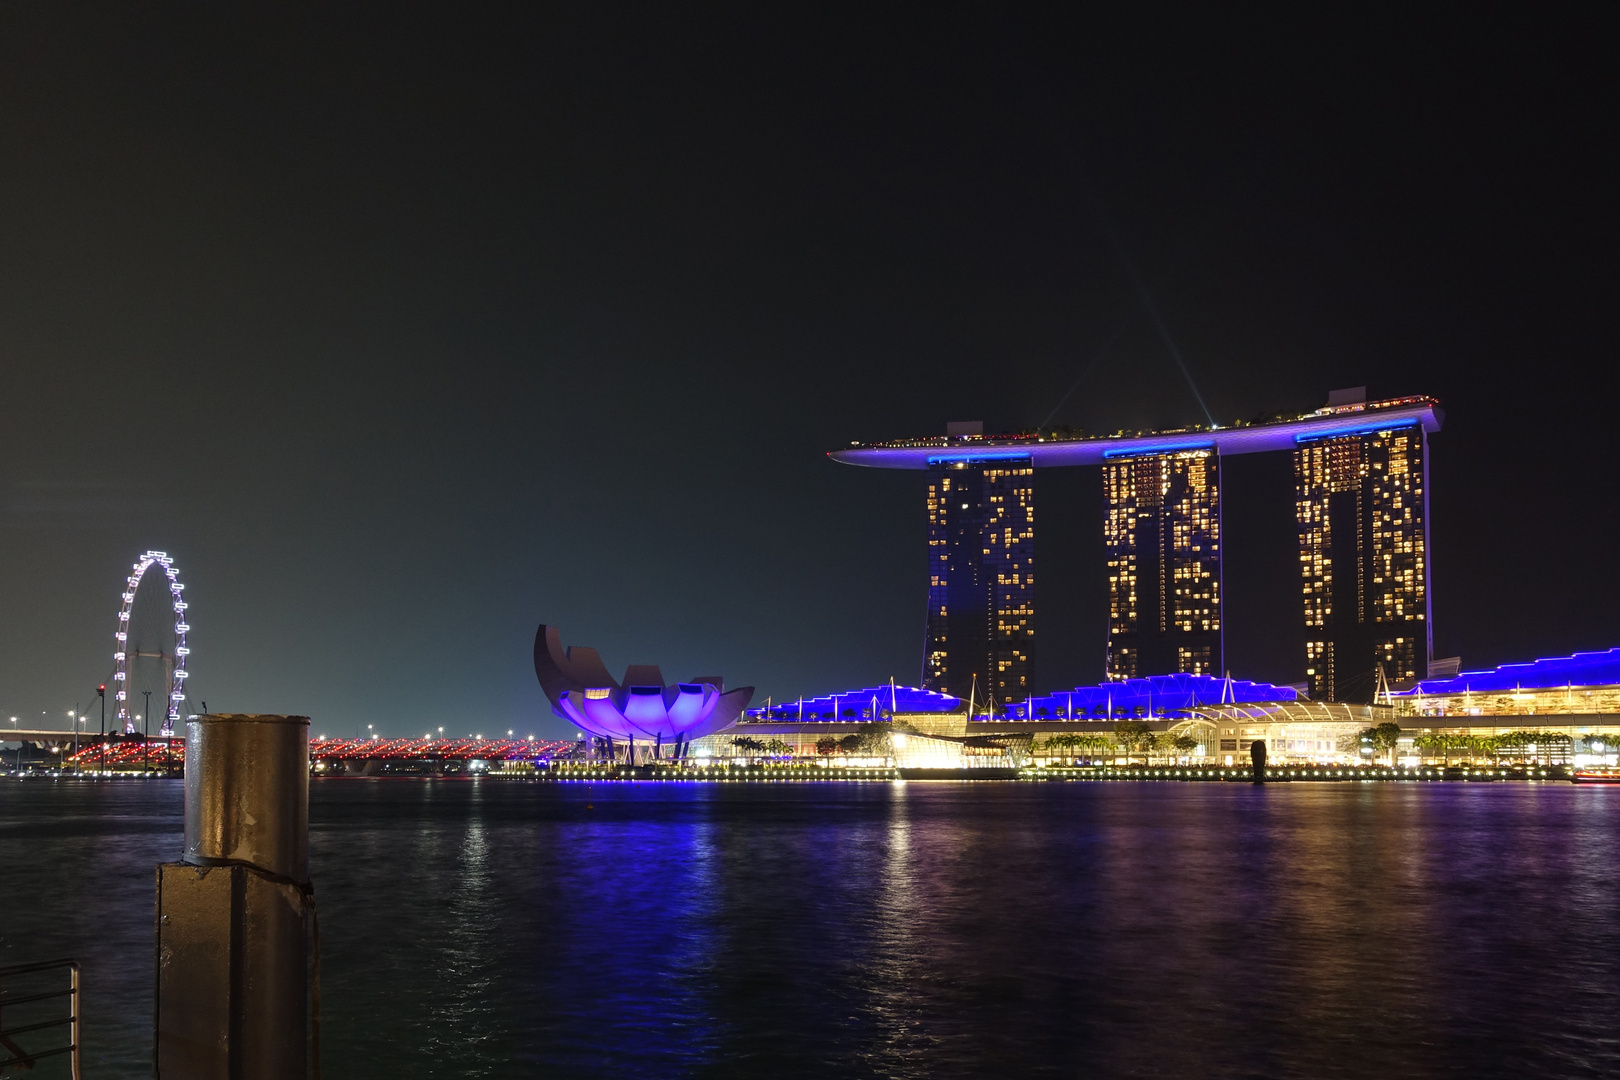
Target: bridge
{"type": "Point", "coordinates": [134, 751]}
{"type": "Point", "coordinates": [441, 749]}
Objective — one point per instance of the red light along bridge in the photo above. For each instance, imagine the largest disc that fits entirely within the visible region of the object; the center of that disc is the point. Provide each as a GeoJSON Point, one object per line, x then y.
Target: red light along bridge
{"type": "Point", "coordinates": [442, 749]}
{"type": "Point", "coordinates": [135, 752]}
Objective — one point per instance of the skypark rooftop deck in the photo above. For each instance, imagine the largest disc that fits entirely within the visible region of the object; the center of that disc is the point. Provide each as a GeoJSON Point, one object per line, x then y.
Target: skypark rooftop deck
{"type": "Point", "coordinates": [1051, 450]}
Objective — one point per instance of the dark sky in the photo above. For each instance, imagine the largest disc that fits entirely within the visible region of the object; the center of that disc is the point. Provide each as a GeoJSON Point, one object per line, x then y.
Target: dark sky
{"type": "Point", "coordinates": [404, 330]}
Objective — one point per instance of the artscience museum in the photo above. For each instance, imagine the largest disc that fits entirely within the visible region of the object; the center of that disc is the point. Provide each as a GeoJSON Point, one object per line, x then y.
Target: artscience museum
{"type": "Point", "coordinates": [651, 719]}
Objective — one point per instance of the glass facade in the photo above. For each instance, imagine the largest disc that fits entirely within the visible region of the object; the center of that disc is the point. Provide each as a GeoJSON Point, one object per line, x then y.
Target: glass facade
{"type": "Point", "coordinates": [981, 579]}
{"type": "Point", "coordinates": [1362, 512]}
{"type": "Point", "coordinates": [1162, 528]}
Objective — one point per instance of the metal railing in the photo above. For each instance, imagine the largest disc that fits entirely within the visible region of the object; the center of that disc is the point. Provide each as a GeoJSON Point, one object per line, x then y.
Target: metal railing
{"type": "Point", "coordinates": [38, 1019]}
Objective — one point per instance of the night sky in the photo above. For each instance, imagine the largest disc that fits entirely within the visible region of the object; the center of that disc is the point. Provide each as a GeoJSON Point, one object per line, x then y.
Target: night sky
{"type": "Point", "coordinates": [405, 330]}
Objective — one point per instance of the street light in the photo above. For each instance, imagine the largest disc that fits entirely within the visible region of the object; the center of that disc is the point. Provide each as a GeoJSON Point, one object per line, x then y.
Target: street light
{"type": "Point", "coordinates": [146, 735]}
{"type": "Point", "coordinates": [19, 743]}
{"type": "Point", "coordinates": [101, 692]}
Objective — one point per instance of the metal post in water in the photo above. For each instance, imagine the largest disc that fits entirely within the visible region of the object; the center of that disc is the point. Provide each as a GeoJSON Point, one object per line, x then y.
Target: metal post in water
{"type": "Point", "coordinates": [75, 1035]}
{"type": "Point", "coordinates": [235, 916]}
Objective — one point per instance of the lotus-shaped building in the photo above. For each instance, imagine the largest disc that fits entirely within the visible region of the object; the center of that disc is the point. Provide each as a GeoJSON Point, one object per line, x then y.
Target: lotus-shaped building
{"type": "Point", "coordinates": [641, 707]}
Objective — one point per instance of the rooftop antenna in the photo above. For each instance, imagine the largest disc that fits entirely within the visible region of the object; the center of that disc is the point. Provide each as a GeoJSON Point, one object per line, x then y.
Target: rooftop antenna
{"type": "Point", "coordinates": [894, 697]}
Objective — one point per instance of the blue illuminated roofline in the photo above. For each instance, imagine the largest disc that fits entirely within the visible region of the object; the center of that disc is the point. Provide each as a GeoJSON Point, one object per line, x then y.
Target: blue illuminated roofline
{"type": "Point", "coordinates": [903, 699]}
{"type": "Point", "coordinates": [1156, 695]}
{"type": "Point", "coordinates": [1167, 448]}
{"type": "Point", "coordinates": [1360, 429]}
{"type": "Point", "coordinates": [1259, 438]}
{"type": "Point", "coordinates": [988, 455]}
{"type": "Point", "coordinates": [1580, 671]}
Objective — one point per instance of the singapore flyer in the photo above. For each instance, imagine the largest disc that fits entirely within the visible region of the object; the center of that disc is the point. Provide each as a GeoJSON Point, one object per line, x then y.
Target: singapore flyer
{"type": "Point", "coordinates": [176, 660]}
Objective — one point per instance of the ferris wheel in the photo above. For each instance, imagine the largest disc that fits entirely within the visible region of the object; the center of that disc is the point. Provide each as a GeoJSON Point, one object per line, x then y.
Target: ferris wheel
{"type": "Point", "coordinates": [177, 681]}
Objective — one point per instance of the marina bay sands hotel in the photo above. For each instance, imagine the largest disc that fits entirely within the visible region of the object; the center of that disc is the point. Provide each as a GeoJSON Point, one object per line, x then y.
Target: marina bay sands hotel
{"type": "Point", "coordinates": [1361, 507]}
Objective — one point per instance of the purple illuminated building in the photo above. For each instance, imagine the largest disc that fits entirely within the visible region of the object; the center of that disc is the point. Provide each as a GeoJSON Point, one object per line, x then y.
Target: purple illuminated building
{"type": "Point", "coordinates": [641, 707]}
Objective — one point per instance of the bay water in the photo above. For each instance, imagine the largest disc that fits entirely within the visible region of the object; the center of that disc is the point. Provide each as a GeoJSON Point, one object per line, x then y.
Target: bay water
{"type": "Point", "coordinates": [494, 928]}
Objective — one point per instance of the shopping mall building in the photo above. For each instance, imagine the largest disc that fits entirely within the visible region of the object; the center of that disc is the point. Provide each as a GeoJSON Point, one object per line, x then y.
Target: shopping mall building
{"type": "Point", "coordinates": [1560, 710]}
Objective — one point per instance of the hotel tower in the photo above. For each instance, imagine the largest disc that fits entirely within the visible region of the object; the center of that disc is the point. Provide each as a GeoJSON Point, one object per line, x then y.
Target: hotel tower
{"type": "Point", "coordinates": [980, 636]}
{"type": "Point", "coordinates": [1162, 527]}
{"type": "Point", "coordinates": [1361, 505]}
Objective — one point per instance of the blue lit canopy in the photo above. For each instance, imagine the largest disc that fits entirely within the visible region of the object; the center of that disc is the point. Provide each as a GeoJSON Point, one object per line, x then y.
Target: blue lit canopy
{"type": "Point", "coordinates": [872, 703]}
{"type": "Point", "coordinates": [1556, 672]}
{"type": "Point", "coordinates": [1156, 695]}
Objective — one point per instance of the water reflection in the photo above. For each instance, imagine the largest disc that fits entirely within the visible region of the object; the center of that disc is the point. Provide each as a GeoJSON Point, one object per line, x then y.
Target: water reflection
{"type": "Point", "coordinates": [899, 923]}
{"type": "Point", "coordinates": [504, 929]}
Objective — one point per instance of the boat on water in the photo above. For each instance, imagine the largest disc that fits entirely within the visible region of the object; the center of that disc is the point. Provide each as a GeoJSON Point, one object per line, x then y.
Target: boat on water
{"type": "Point", "coordinates": [1596, 776]}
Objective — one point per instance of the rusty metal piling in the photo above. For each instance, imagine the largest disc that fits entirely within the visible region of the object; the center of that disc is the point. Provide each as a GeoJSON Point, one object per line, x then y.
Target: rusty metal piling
{"type": "Point", "coordinates": [235, 917]}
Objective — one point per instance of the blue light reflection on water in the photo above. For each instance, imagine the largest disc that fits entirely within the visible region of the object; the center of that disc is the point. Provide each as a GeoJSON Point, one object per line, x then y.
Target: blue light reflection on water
{"type": "Point", "coordinates": [649, 930]}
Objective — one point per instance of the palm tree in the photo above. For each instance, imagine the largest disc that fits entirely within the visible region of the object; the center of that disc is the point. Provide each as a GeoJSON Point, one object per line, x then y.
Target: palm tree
{"type": "Point", "coordinates": [1468, 746]}
{"type": "Point", "coordinates": [1513, 741]}
{"type": "Point", "coordinates": [1435, 741]}
{"type": "Point", "coordinates": [1059, 742]}
{"type": "Point", "coordinates": [1093, 745]}
{"type": "Point", "coordinates": [748, 745]}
